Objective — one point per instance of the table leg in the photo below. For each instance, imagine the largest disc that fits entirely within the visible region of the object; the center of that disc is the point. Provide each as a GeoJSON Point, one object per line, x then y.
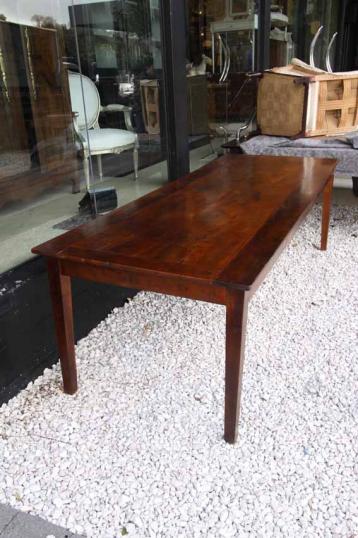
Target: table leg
{"type": "Point", "coordinates": [355, 185]}
{"type": "Point", "coordinates": [60, 288]}
{"type": "Point", "coordinates": [326, 209]}
{"type": "Point", "coordinates": [236, 319]}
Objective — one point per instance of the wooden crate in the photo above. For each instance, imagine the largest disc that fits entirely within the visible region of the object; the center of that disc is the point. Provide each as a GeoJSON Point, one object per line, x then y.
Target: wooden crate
{"type": "Point", "coordinates": [337, 106]}
{"type": "Point", "coordinates": [297, 101]}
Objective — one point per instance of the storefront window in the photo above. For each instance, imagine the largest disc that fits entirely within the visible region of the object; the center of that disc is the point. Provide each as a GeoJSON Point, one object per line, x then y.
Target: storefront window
{"type": "Point", "coordinates": [80, 91]}
{"type": "Point", "coordinates": [222, 37]}
{"type": "Point", "coordinates": [120, 58]}
{"type": "Point", "coordinates": [222, 54]}
{"type": "Point", "coordinates": [82, 106]}
{"type": "Point", "coordinates": [303, 20]}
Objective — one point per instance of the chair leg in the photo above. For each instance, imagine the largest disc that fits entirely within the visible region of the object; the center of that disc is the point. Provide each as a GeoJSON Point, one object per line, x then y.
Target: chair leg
{"type": "Point", "coordinates": [86, 170]}
{"type": "Point", "coordinates": [76, 182]}
{"type": "Point", "coordinates": [211, 142]}
{"type": "Point", "coordinates": [135, 162]}
{"type": "Point", "coordinates": [100, 169]}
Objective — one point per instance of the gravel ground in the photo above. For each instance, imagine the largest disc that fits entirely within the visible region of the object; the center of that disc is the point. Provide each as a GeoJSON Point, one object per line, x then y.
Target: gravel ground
{"type": "Point", "coordinates": [139, 449]}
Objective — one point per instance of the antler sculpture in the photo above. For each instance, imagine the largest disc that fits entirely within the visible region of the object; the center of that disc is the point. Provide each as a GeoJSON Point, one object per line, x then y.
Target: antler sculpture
{"type": "Point", "coordinates": [328, 53]}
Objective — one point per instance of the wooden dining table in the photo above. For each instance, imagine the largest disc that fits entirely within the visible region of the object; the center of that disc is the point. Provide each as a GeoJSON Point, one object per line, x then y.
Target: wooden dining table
{"type": "Point", "coordinates": [211, 236]}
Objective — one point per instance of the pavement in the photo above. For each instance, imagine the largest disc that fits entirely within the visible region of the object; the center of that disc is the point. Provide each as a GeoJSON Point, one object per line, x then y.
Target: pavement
{"type": "Point", "coordinates": [15, 524]}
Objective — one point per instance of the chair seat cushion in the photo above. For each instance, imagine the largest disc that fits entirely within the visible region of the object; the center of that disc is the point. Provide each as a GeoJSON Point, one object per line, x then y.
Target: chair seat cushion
{"type": "Point", "coordinates": [108, 139]}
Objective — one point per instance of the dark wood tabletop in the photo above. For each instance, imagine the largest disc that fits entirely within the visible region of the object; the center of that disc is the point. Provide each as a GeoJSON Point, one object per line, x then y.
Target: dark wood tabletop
{"type": "Point", "coordinates": [211, 235]}
{"type": "Point", "coordinates": [203, 226]}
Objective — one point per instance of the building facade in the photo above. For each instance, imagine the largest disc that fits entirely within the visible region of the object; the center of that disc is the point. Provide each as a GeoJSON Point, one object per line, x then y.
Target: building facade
{"type": "Point", "coordinates": [94, 94]}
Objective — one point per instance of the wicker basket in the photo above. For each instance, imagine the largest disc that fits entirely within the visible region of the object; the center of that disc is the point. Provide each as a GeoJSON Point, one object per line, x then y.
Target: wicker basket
{"type": "Point", "coordinates": [297, 101]}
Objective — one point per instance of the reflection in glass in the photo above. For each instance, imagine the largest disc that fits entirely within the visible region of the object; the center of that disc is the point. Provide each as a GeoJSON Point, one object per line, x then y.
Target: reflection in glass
{"type": "Point", "coordinates": [119, 51]}
{"type": "Point", "coordinates": [222, 50]}
{"type": "Point", "coordinates": [61, 133]}
{"type": "Point", "coordinates": [222, 54]}
{"type": "Point", "coordinates": [304, 19]}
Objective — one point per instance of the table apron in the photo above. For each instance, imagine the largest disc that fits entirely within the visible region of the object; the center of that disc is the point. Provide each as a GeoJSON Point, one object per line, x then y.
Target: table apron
{"type": "Point", "coordinates": [159, 283]}
{"type": "Point", "coordinates": [252, 287]}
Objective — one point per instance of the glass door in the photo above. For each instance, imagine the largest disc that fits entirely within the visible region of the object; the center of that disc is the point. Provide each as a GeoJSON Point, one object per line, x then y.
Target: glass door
{"type": "Point", "coordinates": [119, 78]}
{"type": "Point", "coordinates": [222, 57]}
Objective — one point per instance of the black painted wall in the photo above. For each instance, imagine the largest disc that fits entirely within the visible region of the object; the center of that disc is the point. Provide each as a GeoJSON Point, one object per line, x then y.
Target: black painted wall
{"type": "Point", "coordinates": [27, 336]}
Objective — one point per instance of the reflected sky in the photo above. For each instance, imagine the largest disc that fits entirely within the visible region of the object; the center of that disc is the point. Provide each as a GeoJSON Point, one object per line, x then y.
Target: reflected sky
{"type": "Point", "coordinates": [21, 11]}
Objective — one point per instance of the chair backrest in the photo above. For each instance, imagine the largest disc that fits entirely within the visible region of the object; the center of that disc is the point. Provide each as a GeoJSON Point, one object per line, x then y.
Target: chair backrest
{"type": "Point", "coordinates": [91, 98]}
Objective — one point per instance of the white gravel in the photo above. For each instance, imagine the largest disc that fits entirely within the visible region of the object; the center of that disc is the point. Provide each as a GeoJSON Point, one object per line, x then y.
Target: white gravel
{"type": "Point", "coordinates": [139, 449]}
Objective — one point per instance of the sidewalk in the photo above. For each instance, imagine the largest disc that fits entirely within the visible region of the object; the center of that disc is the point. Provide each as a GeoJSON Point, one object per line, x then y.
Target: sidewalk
{"type": "Point", "coordinates": [15, 524]}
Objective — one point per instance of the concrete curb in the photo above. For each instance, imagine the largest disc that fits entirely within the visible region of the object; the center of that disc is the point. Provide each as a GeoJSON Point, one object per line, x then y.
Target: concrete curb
{"type": "Point", "coordinates": [16, 524]}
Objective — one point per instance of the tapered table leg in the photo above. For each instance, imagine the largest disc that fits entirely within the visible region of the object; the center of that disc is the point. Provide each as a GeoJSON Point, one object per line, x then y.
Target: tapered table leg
{"type": "Point", "coordinates": [60, 288]}
{"type": "Point", "coordinates": [355, 185]}
{"type": "Point", "coordinates": [326, 210]}
{"type": "Point", "coordinates": [236, 319]}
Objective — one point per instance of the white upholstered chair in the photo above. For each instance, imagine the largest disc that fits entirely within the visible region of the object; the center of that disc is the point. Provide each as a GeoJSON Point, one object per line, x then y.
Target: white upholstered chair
{"type": "Point", "coordinates": [97, 141]}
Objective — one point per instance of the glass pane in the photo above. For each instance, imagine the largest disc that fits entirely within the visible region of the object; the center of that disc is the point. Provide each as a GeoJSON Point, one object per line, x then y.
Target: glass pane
{"type": "Point", "coordinates": [38, 151]}
{"type": "Point", "coordinates": [282, 37]}
{"type": "Point", "coordinates": [54, 122]}
{"type": "Point", "coordinates": [304, 18]}
{"type": "Point", "coordinates": [222, 52]}
{"type": "Point", "coordinates": [222, 37]}
{"type": "Point", "coordinates": [348, 52]}
{"type": "Point", "coordinates": [120, 63]}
